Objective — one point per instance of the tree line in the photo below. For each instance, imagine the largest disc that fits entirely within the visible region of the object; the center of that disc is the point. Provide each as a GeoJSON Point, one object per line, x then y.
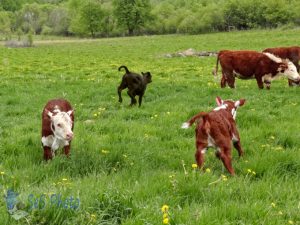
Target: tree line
{"type": "Point", "coordinates": [110, 18]}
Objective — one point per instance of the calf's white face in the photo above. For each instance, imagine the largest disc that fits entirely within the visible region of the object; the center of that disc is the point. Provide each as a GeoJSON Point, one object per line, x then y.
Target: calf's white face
{"type": "Point", "coordinates": [61, 125]}
{"type": "Point", "coordinates": [290, 71]}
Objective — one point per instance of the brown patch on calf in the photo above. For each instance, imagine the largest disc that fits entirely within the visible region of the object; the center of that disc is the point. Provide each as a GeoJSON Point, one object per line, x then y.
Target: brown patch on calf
{"type": "Point", "coordinates": [217, 129]}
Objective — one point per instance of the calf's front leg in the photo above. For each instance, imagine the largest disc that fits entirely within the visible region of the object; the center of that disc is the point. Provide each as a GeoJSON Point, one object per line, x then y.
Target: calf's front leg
{"type": "Point", "coordinates": [47, 153]}
{"type": "Point", "coordinates": [67, 149]}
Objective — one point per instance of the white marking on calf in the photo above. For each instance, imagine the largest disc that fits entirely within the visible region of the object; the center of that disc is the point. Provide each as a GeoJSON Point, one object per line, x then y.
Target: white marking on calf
{"type": "Point", "coordinates": [185, 125]}
{"type": "Point", "coordinates": [273, 57]}
{"type": "Point", "coordinates": [211, 142]}
{"type": "Point", "coordinates": [53, 142]}
{"type": "Point", "coordinates": [234, 138]}
{"type": "Point", "coordinates": [233, 113]}
{"type": "Point", "coordinates": [203, 151]}
{"type": "Point", "coordinates": [220, 107]}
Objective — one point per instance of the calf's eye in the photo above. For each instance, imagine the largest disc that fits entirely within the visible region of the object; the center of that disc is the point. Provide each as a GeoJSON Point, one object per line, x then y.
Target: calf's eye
{"type": "Point", "coordinates": [59, 125]}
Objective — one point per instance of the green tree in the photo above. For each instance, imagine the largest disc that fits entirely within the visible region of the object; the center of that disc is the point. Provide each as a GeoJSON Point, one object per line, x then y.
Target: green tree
{"type": "Point", "coordinates": [5, 23]}
{"type": "Point", "coordinates": [31, 17]}
{"type": "Point", "coordinates": [132, 14]}
{"type": "Point", "coordinates": [92, 17]}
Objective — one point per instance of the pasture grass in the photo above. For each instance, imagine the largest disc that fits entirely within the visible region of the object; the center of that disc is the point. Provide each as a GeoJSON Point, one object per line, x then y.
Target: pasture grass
{"type": "Point", "coordinates": [127, 162]}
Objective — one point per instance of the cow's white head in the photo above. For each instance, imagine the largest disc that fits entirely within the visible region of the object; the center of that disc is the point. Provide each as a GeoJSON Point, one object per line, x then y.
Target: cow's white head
{"type": "Point", "coordinates": [229, 105]}
{"type": "Point", "coordinates": [61, 124]}
{"type": "Point", "coordinates": [288, 69]}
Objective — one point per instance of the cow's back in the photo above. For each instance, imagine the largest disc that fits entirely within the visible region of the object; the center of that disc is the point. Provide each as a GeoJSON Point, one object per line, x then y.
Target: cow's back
{"type": "Point", "coordinates": [218, 124]}
{"type": "Point", "coordinates": [291, 53]}
{"type": "Point", "coordinates": [241, 62]}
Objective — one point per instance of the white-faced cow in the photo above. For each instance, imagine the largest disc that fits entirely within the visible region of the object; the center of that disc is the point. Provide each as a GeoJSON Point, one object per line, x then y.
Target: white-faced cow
{"type": "Point", "coordinates": [292, 53]}
{"type": "Point", "coordinates": [57, 127]}
{"type": "Point", "coordinates": [217, 129]}
{"type": "Point", "coordinates": [264, 67]}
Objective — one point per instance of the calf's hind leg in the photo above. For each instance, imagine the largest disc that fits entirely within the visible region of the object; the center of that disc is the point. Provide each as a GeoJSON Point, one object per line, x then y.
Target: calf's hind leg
{"type": "Point", "coordinates": [120, 88]}
{"type": "Point", "coordinates": [132, 96]}
{"type": "Point", "coordinates": [199, 155]}
{"type": "Point", "coordinates": [225, 156]}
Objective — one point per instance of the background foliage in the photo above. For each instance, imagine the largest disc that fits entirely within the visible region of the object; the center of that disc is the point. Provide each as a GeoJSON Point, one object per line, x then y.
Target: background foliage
{"type": "Point", "coordinates": [104, 18]}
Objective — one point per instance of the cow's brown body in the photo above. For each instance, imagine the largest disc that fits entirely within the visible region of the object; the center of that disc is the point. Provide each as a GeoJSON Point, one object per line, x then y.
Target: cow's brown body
{"type": "Point", "coordinates": [52, 106]}
{"type": "Point", "coordinates": [292, 53]}
{"type": "Point", "coordinates": [217, 129]}
{"type": "Point", "coordinates": [248, 65]}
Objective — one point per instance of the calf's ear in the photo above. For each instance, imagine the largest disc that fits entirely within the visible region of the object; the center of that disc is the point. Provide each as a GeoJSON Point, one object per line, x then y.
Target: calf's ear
{"type": "Point", "coordinates": [219, 101]}
{"type": "Point", "coordinates": [240, 102]}
{"type": "Point", "coordinates": [70, 112]}
{"type": "Point", "coordinates": [50, 114]}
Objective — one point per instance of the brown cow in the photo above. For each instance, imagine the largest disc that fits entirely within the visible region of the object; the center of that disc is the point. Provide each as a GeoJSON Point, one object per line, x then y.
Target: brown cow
{"type": "Point", "coordinates": [217, 129]}
{"type": "Point", "coordinates": [264, 67]}
{"type": "Point", "coordinates": [291, 53]}
{"type": "Point", "coordinates": [57, 127]}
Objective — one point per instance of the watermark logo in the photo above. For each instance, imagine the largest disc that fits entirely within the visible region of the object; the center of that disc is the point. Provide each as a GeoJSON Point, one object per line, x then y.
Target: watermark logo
{"type": "Point", "coordinates": [55, 200]}
{"type": "Point", "coordinates": [11, 200]}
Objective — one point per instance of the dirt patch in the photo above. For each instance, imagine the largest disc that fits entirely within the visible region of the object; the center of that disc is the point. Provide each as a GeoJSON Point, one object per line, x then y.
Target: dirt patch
{"type": "Point", "coordinates": [191, 52]}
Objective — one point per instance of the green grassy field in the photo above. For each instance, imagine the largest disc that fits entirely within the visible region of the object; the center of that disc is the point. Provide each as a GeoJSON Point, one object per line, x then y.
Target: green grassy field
{"type": "Point", "coordinates": [127, 162]}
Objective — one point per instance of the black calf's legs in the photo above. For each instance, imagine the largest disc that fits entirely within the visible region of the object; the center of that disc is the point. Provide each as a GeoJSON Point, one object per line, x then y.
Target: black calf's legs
{"type": "Point", "coordinates": [132, 96]}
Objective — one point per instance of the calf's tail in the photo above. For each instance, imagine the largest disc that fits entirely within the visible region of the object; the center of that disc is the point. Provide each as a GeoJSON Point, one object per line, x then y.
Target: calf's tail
{"type": "Point", "coordinates": [124, 67]}
{"type": "Point", "coordinates": [193, 119]}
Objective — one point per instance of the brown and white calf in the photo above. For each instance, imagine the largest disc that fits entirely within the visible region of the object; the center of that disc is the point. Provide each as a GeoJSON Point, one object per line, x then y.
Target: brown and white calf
{"type": "Point", "coordinates": [57, 127]}
{"type": "Point", "coordinates": [217, 129]}
{"type": "Point", "coordinates": [264, 67]}
{"type": "Point", "coordinates": [292, 53]}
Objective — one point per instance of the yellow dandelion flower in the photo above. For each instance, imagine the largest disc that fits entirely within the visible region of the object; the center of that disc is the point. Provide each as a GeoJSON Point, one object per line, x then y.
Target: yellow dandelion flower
{"type": "Point", "coordinates": [249, 170]}
{"type": "Point", "coordinates": [93, 216]}
{"type": "Point", "coordinates": [273, 204]}
{"type": "Point", "coordinates": [164, 208]}
{"type": "Point", "coordinates": [155, 115]}
{"type": "Point", "coordinates": [166, 221]}
{"type": "Point", "coordinates": [2, 173]}
{"type": "Point", "coordinates": [165, 215]}
{"type": "Point", "coordinates": [253, 172]}
{"type": "Point", "coordinates": [104, 151]}
{"type": "Point", "coordinates": [207, 170]}
{"type": "Point", "coordinates": [95, 114]}
{"type": "Point", "coordinates": [272, 137]}
{"type": "Point", "coordinates": [125, 156]}
{"type": "Point", "coordinates": [224, 178]}
{"type": "Point", "coordinates": [291, 222]}
{"type": "Point", "coordinates": [64, 179]}
{"type": "Point", "coordinates": [168, 113]}
{"type": "Point", "coordinates": [194, 166]}
{"type": "Point", "coordinates": [280, 213]}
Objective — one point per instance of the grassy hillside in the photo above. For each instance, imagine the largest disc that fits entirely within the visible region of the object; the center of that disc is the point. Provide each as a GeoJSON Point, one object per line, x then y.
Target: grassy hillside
{"type": "Point", "coordinates": [127, 162]}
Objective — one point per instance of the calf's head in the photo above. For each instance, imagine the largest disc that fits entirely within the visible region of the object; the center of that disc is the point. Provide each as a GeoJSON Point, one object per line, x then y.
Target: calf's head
{"type": "Point", "coordinates": [61, 124]}
{"type": "Point", "coordinates": [147, 77]}
{"type": "Point", "coordinates": [288, 69]}
{"type": "Point", "coordinates": [229, 105]}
